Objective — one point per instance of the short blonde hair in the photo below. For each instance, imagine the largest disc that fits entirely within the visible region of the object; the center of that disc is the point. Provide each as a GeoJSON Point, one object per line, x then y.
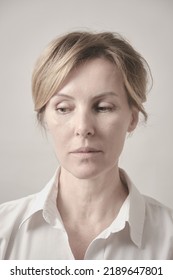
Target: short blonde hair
{"type": "Point", "coordinates": [68, 51]}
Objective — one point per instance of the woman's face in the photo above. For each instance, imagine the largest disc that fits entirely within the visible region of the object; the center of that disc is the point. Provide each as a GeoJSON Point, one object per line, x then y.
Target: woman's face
{"type": "Point", "coordinates": [88, 119]}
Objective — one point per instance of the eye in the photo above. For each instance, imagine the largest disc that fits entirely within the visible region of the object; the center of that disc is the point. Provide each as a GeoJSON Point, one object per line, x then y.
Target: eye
{"type": "Point", "coordinates": [104, 107]}
{"type": "Point", "coordinates": [63, 108]}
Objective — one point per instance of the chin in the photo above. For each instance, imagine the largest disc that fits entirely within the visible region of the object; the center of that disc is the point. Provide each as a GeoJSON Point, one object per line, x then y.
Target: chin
{"type": "Point", "coordinates": [85, 173]}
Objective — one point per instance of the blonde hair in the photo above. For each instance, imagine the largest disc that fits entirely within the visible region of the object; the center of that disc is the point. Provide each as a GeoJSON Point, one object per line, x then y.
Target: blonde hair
{"type": "Point", "coordinates": [68, 51]}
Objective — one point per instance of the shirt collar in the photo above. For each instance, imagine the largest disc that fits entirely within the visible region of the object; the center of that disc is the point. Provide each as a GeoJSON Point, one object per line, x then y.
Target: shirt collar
{"type": "Point", "coordinates": [131, 213]}
{"type": "Point", "coordinates": [136, 213]}
{"type": "Point", "coordinates": [45, 201]}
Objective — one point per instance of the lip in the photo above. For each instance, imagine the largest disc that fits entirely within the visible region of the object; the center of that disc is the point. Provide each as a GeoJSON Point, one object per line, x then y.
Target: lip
{"type": "Point", "coordinates": [86, 150]}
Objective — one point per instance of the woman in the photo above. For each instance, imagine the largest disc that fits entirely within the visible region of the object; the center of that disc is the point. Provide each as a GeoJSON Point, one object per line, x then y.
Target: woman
{"type": "Point", "coordinates": [88, 91]}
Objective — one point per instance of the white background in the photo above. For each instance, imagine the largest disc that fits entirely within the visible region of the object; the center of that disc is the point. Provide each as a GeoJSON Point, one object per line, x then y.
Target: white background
{"type": "Point", "coordinates": [27, 160]}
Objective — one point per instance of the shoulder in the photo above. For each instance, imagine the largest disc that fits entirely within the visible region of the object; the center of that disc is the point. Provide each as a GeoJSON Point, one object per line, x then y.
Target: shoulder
{"type": "Point", "coordinates": [156, 205]}
{"type": "Point", "coordinates": [157, 212]}
{"type": "Point", "coordinates": [16, 205]}
{"type": "Point", "coordinates": [12, 212]}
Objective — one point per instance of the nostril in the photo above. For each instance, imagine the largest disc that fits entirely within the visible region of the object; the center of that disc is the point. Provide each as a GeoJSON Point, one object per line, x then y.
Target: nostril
{"type": "Point", "coordinates": [84, 132]}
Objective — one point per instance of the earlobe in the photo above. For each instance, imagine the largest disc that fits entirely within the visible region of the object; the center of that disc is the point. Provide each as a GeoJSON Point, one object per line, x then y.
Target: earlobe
{"type": "Point", "coordinates": [134, 120]}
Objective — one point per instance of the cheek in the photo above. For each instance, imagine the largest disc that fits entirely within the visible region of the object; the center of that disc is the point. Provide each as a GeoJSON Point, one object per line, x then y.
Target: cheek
{"type": "Point", "coordinates": [116, 127]}
{"type": "Point", "coordinates": [115, 141]}
{"type": "Point", "coordinates": [60, 137]}
{"type": "Point", "coordinates": [115, 135]}
{"type": "Point", "coordinates": [57, 123]}
{"type": "Point", "coordinates": [54, 126]}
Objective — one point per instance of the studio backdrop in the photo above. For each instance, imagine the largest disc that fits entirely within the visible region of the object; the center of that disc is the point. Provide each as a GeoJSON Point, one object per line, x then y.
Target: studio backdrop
{"type": "Point", "coordinates": [27, 160]}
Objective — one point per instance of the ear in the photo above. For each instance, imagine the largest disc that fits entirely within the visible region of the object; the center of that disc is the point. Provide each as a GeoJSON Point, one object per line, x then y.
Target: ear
{"type": "Point", "coordinates": [134, 119]}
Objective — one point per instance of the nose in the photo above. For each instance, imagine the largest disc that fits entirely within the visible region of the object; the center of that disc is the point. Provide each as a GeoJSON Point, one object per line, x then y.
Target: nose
{"type": "Point", "coordinates": [84, 125]}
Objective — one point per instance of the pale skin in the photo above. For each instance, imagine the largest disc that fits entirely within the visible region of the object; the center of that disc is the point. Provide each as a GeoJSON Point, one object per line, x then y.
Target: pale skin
{"type": "Point", "coordinates": [88, 120]}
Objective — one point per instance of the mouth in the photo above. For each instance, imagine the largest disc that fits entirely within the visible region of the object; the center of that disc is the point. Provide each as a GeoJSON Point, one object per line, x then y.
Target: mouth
{"type": "Point", "coordinates": [86, 150]}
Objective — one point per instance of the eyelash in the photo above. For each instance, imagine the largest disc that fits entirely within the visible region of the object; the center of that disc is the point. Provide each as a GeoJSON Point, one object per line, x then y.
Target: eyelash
{"type": "Point", "coordinates": [104, 109]}
{"type": "Point", "coordinates": [97, 108]}
{"type": "Point", "coordinates": [62, 110]}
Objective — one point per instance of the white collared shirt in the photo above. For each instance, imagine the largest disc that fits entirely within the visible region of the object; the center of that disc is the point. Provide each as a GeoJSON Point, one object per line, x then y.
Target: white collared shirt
{"type": "Point", "coordinates": [31, 228]}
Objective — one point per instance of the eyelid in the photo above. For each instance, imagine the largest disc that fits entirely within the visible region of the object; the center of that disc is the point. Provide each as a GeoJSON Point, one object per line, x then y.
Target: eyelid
{"type": "Point", "coordinates": [105, 104]}
{"type": "Point", "coordinates": [63, 107]}
{"type": "Point", "coordinates": [63, 103]}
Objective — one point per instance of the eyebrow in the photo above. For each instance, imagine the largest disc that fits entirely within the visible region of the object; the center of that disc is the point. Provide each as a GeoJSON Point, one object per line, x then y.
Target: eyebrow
{"type": "Point", "coordinates": [105, 94]}
{"type": "Point", "coordinates": [99, 96]}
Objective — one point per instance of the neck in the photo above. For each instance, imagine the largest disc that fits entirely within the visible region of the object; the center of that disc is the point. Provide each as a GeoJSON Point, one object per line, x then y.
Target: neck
{"type": "Point", "coordinates": [90, 200]}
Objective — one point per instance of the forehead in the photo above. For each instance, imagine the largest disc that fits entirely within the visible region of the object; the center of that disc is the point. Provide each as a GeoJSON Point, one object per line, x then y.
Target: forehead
{"type": "Point", "coordinates": [93, 77]}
